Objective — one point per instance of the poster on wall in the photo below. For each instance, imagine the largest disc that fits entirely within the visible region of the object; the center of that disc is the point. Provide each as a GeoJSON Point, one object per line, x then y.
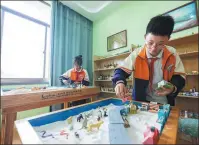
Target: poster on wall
{"type": "Point", "coordinates": [185, 16]}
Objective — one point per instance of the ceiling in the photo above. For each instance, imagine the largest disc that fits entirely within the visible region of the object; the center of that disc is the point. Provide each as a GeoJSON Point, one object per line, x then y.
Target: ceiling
{"type": "Point", "coordinates": [93, 10]}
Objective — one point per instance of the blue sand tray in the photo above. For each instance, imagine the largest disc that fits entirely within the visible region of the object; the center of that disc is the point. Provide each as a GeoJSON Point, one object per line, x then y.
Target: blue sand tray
{"type": "Point", "coordinates": [61, 115]}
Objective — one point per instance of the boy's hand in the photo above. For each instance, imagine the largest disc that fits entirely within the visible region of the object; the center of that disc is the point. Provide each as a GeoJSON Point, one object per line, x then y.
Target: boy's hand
{"type": "Point", "coordinates": [121, 90]}
{"type": "Point", "coordinates": [165, 90]}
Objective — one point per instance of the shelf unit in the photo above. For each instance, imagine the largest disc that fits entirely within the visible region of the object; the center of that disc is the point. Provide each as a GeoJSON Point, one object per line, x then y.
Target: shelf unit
{"type": "Point", "coordinates": [195, 97]}
{"type": "Point", "coordinates": [100, 68]}
{"type": "Point", "coordinates": [187, 48]}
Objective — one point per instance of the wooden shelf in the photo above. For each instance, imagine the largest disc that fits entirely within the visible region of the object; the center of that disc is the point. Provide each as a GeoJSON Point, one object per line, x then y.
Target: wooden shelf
{"type": "Point", "coordinates": [105, 69]}
{"type": "Point", "coordinates": [196, 97]}
{"type": "Point", "coordinates": [184, 40]}
{"type": "Point", "coordinates": [109, 80]}
{"type": "Point", "coordinates": [113, 57]}
{"type": "Point", "coordinates": [192, 74]}
{"type": "Point", "coordinates": [189, 54]}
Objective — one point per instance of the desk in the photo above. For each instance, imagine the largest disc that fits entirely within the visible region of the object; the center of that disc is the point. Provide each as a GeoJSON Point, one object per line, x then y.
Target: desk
{"type": "Point", "coordinates": [13, 103]}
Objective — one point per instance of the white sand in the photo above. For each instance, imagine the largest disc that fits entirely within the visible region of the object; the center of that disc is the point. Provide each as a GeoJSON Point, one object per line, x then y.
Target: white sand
{"type": "Point", "coordinates": [137, 123]}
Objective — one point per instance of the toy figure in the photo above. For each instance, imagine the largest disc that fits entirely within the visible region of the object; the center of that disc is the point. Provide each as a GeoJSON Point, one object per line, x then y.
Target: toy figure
{"type": "Point", "coordinates": [69, 120]}
{"type": "Point", "coordinates": [144, 107]}
{"type": "Point", "coordinates": [79, 118]}
{"type": "Point", "coordinates": [126, 123]}
{"type": "Point", "coordinates": [100, 113]}
{"type": "Point", "coordinates": [105, 112]}
{"type": "Point", "coordinates": [124, 112]}
{"type": "Point", "coordinates": [96, 125]}
{"type": "Point", "coordinates": [133, 108]}
{"type": "Point", "coordinates": [151, 136]}
{"type": "Point", "coordinates": [98, 118]}
{"type": "Point", "coordinates": [84, 124]}
{"type": "Point", "coordinates": [76, 135]}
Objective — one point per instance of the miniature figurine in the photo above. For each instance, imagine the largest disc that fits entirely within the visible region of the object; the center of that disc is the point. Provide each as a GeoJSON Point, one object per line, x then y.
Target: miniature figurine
{"type": "Point", "coordinates": [153, 107]}
{"type": "Point", "coordinates": [105, 112]}
{"type": "Point", "coordinates": [133, 108]}
{"type": "Point", "coordinates": [126, 123]}
{"type": "Point", "coordinates": [76, 135]}
{"type": "Point", "coordinates": [84, 124]}
{"type": "Point", "coordinates": [79, 118]}
{"type": "Point", "coordinates": [96, 125]}
{"type": "Point", "coordinates": [98, 118]}
{"type": "Point", "coordinates": [69, 120]}
{"type": "Point", "coordinates": [124, 112]}
{"type": "Point", "coordinates": [100, 113]}
{"type": "Point", "coordinates": [144, 107]}
{"type": "Point", "coordinates": [151, 136]}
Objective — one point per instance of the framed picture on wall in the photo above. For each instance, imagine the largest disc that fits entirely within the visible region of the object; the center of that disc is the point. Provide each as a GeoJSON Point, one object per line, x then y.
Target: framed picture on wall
{"type": "Point", "coordinates": [185, 16]}
{"type": "Point", "coordinates": [117, 40]}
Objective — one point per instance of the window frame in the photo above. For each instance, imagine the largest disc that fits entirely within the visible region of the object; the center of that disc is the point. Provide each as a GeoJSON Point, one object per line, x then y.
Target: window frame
{"type": "Point", "coordinates": [15, 81]}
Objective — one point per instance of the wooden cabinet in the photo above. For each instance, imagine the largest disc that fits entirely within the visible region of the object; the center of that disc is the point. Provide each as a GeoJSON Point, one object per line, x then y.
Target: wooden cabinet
{"type": "Point", "coordinates": [103, 72]}
{"type": "Point", "coordinates": [187, 48]}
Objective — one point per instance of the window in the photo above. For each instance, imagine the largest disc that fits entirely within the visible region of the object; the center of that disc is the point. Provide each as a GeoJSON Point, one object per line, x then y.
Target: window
{"type": "Point", "coordinates": [25, 41]}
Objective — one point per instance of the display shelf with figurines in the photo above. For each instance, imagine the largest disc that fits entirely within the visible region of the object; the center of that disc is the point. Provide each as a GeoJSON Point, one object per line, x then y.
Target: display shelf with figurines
{"type": "Point", "coordinates": [187, 48]}
{"type": "Point", "coordinates": [103, 70]}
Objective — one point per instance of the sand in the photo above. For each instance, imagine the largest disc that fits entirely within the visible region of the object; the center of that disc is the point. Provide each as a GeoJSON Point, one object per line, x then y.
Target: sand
{"type": "Point", "coordinates": [138, 123]}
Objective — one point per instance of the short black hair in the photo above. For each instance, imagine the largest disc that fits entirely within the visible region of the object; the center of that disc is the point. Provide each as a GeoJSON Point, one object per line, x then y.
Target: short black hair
{"type": "Point", "coordinates": [78, 60]}
{"type": "Point", "coordinates": [161, 25]}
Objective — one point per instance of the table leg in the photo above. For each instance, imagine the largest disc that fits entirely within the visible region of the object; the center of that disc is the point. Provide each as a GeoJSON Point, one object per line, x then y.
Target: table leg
{"type": "Point", "coordinates": [3, 128]}
{"type": "Point", "coordinates": [65, 105]}
{"type": "Point", "coordinates": [10, 118]}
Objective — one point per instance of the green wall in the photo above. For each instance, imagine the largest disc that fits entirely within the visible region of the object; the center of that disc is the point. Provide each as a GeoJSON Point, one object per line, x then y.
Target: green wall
{"type": "Point", "coordinates": [132, 16]}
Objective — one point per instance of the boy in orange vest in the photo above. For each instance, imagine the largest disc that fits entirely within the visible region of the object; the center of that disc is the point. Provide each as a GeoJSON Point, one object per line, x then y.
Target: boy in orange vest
{"type": "Point", "coordinates": [152, 63]}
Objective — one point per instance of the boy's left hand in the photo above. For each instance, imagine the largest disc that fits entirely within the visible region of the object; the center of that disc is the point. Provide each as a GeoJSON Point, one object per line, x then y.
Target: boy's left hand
{"type": "Point", "coordinates": [165, 91]}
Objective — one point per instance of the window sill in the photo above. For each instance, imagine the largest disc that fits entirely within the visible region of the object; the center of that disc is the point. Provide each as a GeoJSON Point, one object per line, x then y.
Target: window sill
{"type": "Point", "coordinates": [23, 81]}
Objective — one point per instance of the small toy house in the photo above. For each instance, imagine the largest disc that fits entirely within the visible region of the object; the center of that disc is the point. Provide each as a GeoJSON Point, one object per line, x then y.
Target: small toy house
{"type": "Point", "coordinates": [151, 135]}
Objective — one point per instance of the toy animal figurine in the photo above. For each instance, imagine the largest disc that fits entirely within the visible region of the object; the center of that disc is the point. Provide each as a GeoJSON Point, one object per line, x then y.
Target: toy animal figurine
{"type": "Point", "coordinates": [69, 120]}
{"type": "Point", "coordinates": [76, 135]}
{"type": "Point", "coordinates": [84, 124]}
{"type": "Point", "coordinates": [98, 118]}
{"type": "Point", "coordinates": [79, 118]}
{"type": "Point", "coordinates": [99, 113]}
{"type": "Point", "coordinates": [151, 136]}
{"type": "Point", "coordinates": [96, 125]}
{"type": "Point", "coordinates": [105, 112]}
